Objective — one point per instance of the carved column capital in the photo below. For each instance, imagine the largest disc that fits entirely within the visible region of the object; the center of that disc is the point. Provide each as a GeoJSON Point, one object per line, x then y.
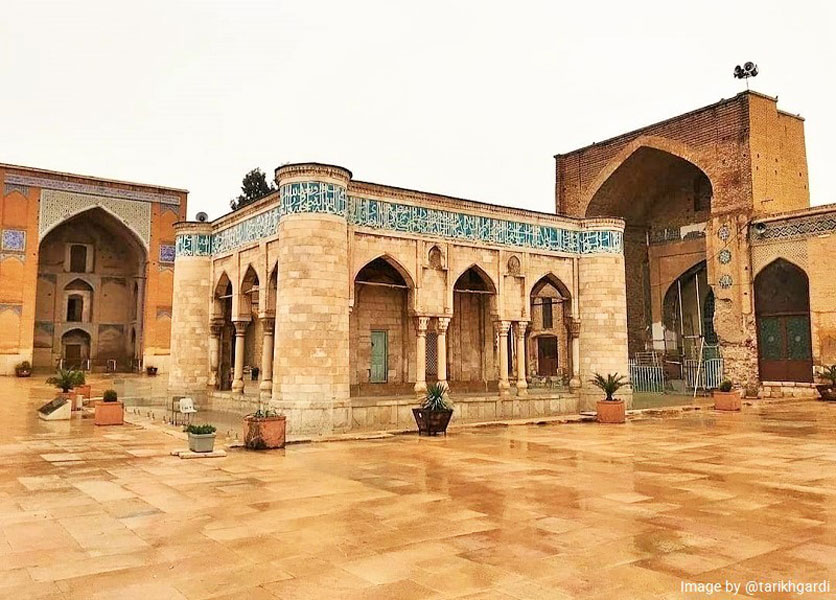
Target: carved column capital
{"type": "Point", "coordinates": [442, 323]}
{"type": "Point", "coordinates": [240, 327]}
{"type": "Point", "coordinates": [268, 323]}
{"type": "Point", "coordinates": [421, 323]}
{"type": "Point", "coordinates": [502, 327]}
{"type": "Point", "coordinates": [216, 326]}
{"type": "Point", "coordinates": [520, 328]}
{"type": "Point", "coordinates": [573, 326]}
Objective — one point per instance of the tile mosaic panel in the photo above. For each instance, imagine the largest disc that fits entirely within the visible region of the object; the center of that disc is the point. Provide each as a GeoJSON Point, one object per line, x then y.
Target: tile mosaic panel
{"type": "Point", "coordinates": [315, 197]}
{"type": "Point", "coordinates": [92, 189]}
{"type": "Point", "coordinates": [806, 226]}
{"type": "Point", "coordinates": [193, 244]}
{"type": "Point", "coordinates": [57, 206]}
{"type": "Point", "coordinates": [167, 252]}
{"type": "Point", "coordinates": [14, 240]}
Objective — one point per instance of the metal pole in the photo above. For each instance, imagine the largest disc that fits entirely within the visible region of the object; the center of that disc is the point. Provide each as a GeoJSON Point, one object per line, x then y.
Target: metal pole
{"type": "Point", "coordinates": [699, 308]}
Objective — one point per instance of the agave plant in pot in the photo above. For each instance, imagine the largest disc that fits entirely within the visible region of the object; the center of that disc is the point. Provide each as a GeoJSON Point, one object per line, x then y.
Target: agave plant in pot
{"type": "Point", "coordinates": [435, 411]}
{"type": "Point", "coordinates": [263, 429]}
{"type": "Point", "coordinates": [610, 410]}
{"type": "Point", "coordinates": [65, 380]}
{"type": "Point", "coordinates": [827, 390]}
{"type": "Point", "coordinates": [201, 438]}
{"type": "Point", "coordinates": [726, 397]}
{"type": "Point", "coordinates": [110, 411]}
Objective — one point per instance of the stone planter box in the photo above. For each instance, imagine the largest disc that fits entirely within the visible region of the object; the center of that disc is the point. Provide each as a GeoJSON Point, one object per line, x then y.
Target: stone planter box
{"type": "Point", "coordinates": [110, 413]}
{"type": "Point", "coordinates": [202, 442]}
{"type": "Point", "coordinates": [611, 411]}
{"type": "Point", "coordinates": [729, 401]}
{"type": "Point", "coordinates": [264, 432]}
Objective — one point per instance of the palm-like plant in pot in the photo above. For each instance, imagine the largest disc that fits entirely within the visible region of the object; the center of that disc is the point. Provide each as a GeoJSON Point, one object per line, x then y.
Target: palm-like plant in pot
{"type": "Point", "coordinates": [65, 380]}
{"type": "Point", "coordinates": [435, 411]}
{"type": "Point", "coordinates": [610, 409]}
{"type": "Point", "coordinates": [827, 391]}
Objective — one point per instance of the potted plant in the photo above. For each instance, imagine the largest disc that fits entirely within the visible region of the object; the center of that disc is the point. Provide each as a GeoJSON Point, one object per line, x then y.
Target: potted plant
{"type": "Point", "coordinates": [65, 380]}
{"type": "Point", "coordinates": [435, 411]}
{"type": "Point", "coordinates": [827, 391]}
{"type": "Point", "coordinates": [610, 410]}
{"type": "Point", "coordinates": [201, 438]}
{"type": "Point", "coordinates": [263, 429]}
{"type": "Point", "coordinates": [726, 397]}
{"type": "Point", "coordinates": [23, 369]}
{"type": "Point", "coordinates": [110, 411]}
{"type": "Point", "coordinates": [151, 370]}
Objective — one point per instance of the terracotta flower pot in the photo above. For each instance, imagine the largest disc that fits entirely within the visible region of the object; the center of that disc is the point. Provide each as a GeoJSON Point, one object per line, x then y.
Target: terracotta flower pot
{"type": "Point", "coordinates": [611, 411]}
{"type": "Point", "coordinates": [264, 432]}
{"type": "Point", "coordinates": [110, 413]}
{"type": "Point", "coordinates": [84, 390]}
{"type": "Point", "coordinates": [727, 400]}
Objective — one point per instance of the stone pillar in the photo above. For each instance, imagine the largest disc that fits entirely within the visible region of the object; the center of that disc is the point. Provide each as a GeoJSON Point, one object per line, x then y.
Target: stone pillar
{"type": "Point", "coordinates": [573, 327]}
{"type": "Point", "coordinates": [602, 308]}
{"type": "Point", "coordinates": [266, 385]}
{"type": "Point", "coordinates": [522, 384]}
{"type": "Point", "coordinates": [215, 328]}
{"type": "Point", "coordinates": [311, 364]}
{"type": "Point", "coordinates": [238, 373]}
{"type": "Point", "coordinates": [421, 356]}
{"type": "Point", "coordinates": [441, 330]}
{"type": "Point", "coordinates": [189, 364]}
{"type": "Point", "coordinates": [504, 385]}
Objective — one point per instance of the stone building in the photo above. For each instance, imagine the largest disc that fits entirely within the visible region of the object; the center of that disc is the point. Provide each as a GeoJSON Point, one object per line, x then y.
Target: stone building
{"type": "Point", "coordinates": [86, 270]}
{"type": "Point", "coordinates": [721, 248]}
{"type": "Point", "coordinates": [348, 298]}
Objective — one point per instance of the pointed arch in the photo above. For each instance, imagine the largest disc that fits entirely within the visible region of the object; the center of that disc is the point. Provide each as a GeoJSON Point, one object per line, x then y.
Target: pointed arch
{"type": "Point", "coordinates": [223, 286]}
{"type": "Point", "coordinates": [550, 278]}
{"type": "Point", "coordinates": [392, 262]}
{"type": "Point", "coordinates": [80, 284]}
{"type": "Point", "coordinates": [672, 147]}
{"type": "Point", "coordinates": [110, 214]}
{"type": "Point", "coordinates": [471, 275]}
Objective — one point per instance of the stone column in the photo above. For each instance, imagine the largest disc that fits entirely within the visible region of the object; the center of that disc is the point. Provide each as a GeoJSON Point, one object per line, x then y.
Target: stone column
{"type": "Point", "coordinates": [441, 330]}
{"type": "Point", "coordinates": [215, 328]}
{"type": "Point", "coordinates": [238, 373]}
{"type": "Point", "coordinates": [522, 384]}
{"type": "Point", "coordinates": [266, 385]}
{"type": "Point", "coordinates": [504, 385]}
{"type": "Point", "coordinates": [574, 329]}
{"type": "Point", "coordinates": [421, 356]}
{"type": "Point", "coordinates": [190, 316]}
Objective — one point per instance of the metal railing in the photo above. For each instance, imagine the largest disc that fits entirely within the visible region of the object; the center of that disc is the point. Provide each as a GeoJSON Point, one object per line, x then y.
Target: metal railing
{"type": "Point", "coordinates": [647, 378]}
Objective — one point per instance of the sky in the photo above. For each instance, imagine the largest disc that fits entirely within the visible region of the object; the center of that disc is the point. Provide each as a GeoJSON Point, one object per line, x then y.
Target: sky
{"type": "Point", "coordinates": [469, 99]}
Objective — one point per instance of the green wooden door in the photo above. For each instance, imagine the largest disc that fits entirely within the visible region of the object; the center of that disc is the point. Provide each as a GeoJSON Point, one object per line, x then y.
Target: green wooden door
{"type": "Point", "coordinates": [380, 357]}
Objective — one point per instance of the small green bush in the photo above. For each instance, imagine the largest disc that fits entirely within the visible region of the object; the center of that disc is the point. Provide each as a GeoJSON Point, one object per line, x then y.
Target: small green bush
{"type": "Point", "coordinates": [23, 366]}
{"type": "Point", "coordinates": [110, 396]}
{"type": "Point", "coordinates": [66, 379]}
{"type": "Point", "coordinates": [726, 386]}
{"type": "Point", "coordinates": [201, 429]}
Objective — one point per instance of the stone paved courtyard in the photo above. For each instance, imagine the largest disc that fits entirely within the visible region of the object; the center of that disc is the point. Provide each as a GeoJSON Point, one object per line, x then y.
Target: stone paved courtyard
{"type": "Point", "coordinates": [557, 511]}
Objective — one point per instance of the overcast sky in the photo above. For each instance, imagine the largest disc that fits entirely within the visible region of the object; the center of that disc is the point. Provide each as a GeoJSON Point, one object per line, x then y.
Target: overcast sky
{"type": "Point", "coordinates": [469, 99]}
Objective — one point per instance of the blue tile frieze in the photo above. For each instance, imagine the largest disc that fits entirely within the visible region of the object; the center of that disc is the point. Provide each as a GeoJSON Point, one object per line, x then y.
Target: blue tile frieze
{"type": "Point", "coordinates": [328, 198]}
{"type": "Point", "coordinates": [193, 244]}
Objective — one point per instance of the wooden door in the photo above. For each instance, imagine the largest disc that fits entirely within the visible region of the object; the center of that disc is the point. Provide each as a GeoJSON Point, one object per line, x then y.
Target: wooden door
{"type": "Point", "coordinates": [72, 356]}
{"type": "Point", "coordinates": [782, 310]}
{"type": "Point", "coordinates": [379, 357]}
{"type": "Point", "coordinates": [547, 356]}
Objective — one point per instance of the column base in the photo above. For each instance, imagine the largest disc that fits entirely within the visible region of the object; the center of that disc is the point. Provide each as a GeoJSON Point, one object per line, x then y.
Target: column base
{"type": "Point", "coordinates": [574, 383]}
{"type": "Point", "coordinates": [266, 386]}
{"type": "Point", "coordinates": [238, 386]}
{"type": "Point", "coordinates": [522, 388]}
{"type": "Point", "coordinates": [504, 389]}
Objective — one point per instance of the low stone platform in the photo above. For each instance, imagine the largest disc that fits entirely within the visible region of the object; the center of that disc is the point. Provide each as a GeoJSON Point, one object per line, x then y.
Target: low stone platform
{"type": "Point", "coordinates": [189, 454]}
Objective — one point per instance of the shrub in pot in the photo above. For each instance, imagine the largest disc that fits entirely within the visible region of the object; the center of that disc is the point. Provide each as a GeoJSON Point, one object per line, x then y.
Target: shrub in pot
{"type": "Point", "coordinates": [610, 410]}
{"type": "Point", "coordinates": [726, 397]}
{"type": "Point", "coordinates": [110, 411]}
{"type": "Point", "coordinates": [201, 438]}
{"type": "Point", "coordinates": [65, 380]}
{"type": "Point", "coordinates": [827, 390]}
{"type": "Point", "coordinates": [263, 429]}
{"type": "Point", "coordinates": [433, 416]}
{"type": "Point", "coordinates": [23, 369]}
